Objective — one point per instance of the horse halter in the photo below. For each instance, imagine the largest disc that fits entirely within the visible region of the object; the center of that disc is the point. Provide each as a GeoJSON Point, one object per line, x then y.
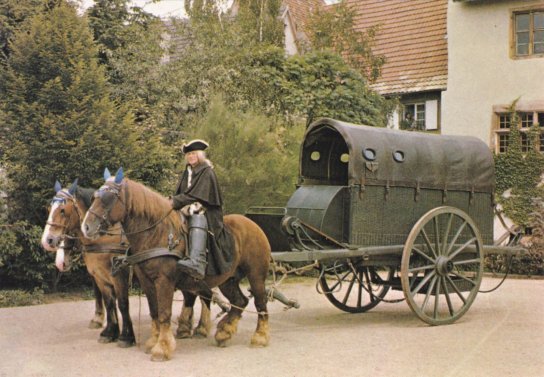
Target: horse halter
{"type": "Point", "coordinates": [62, 198]}
{"type": "Point", "coordinates": [108, 194]}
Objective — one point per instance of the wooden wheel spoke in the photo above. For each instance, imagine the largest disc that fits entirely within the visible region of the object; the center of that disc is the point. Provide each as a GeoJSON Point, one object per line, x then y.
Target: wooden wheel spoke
{"type": "Point", "coordinates": [360, 291]}
{"type": "Point", "coordinates": [466, 261]}
{"type": "Point", "coordinates": [446, 234]}
{"type": "Point", "coordinates": [369, 284]}
{"type": "Point", "coordinates": [436, 235]}
{"type": "Point", "coordinates": [428, 242]}
{"type": "Point", "coordinates": [423, 282]}
{"type": "Point", "coordinates": [463, 277]}
{"type": "Point", "coordinates": [456, 290]}
{"type": "Point", "coordinates": [423, 254]}
{"type": "Point", "coordinates": [436, 301]}
{"type": "Point", "coordinates": [457, 234]}
{"type": "Point", "coordinates": [350, 287]}
{"type": "Point", "coordinates": [422, 268]}
{"type": "Point", "coordinates": [428, 294]}
{"type": "Point", "coordinates": [463, 247]}
{"type": "Point", "coordinates": [447, 294]}
{"type": "Point", "coordinates": [339, 281]}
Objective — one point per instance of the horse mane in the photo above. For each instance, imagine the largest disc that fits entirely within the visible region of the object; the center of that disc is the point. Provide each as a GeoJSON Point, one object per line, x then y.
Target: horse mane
{"type": "Point", "coordinates": [85, 194]}
{"type": "Point", "coordinates": [146, 202]}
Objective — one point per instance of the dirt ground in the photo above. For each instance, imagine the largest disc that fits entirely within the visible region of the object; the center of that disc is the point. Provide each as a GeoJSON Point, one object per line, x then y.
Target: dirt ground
{"type": "Point", "coordinates": [501, 335]}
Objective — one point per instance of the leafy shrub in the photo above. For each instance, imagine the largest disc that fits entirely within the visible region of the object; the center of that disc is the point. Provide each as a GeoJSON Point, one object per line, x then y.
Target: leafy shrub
{"type": "Point", "coordinates": [10, 298]}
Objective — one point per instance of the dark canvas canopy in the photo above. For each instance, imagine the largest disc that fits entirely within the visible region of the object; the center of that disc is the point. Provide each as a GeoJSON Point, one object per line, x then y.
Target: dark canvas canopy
{"type": "Point", "coordinates": [335, 152]}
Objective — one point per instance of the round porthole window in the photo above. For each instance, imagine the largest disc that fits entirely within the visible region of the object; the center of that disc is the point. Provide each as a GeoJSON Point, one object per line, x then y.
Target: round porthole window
{"type": "Point", "coordinates": [315, 156]}
{"type": "Point", "coordinates": [369, 154]}
{"type": "Point", "coordinates": [344, 157]}
{"type": "Point", "coordinates": [398, 156]}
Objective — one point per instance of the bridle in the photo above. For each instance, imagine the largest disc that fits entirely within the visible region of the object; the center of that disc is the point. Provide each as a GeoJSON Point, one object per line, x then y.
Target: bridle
{"type": "Point", "coordinates": [105, 223]}
{"type": "Point", "coordinates": [62, 198]}
{"type": "Point", "coordinates": [108, 187]}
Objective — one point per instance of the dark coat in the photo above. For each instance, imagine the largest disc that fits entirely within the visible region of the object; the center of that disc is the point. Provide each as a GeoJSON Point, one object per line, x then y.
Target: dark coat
{"type": "Point", "coordinates": [205, 190]}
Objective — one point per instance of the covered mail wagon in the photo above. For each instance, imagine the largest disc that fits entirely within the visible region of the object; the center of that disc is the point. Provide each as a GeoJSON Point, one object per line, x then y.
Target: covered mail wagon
{"type": "Point", "coordinates": [378, 209]}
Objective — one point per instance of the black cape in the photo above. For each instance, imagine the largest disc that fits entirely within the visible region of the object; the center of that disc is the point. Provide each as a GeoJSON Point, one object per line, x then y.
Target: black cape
{"type": "Point", "coordinates": [205, 190]}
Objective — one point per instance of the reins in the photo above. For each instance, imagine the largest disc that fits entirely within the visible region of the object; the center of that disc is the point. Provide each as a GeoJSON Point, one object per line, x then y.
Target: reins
{"type": "Point", "coordinates": [137, 231]}
{"type": "Point", "coordinates": [115, 188]}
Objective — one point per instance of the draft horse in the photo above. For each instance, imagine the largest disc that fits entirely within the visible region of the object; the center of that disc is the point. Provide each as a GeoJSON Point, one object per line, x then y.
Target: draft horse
{"type": "Point", "coordinates": [155, 234]}
{"type": "Point", "coordinates": [63, 244]}
{"type": "Point", "coordinates": [64, 224]}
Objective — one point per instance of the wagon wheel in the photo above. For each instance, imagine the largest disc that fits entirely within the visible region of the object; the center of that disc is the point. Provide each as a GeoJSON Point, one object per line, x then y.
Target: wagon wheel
{"type": "Point", "coordinates": [355, 288]}
{"type": "Point", "coordinates": [442, 265]}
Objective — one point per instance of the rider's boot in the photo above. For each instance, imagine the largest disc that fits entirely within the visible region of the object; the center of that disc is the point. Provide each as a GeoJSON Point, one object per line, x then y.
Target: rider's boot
{"type": "Point", "coordinates": [195, 266]}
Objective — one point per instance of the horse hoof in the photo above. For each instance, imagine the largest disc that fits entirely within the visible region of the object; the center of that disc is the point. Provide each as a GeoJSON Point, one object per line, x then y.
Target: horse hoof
{"type": "Point", "coordinates": [95, 325]}
{"type": "Point", "coordinates": [259, 340]}
{"type": "Point", "coordinates": [221, 337]}
{"type": "Point", "coordinates": [105, 340]}
{"type": "Point", "coordinates": [126, 343]}
{"type": "Point", "coordinates": [183, 334]}
{"type": "Point", "coordinates": [158, 358]}
{"type": "Point", "coordinates": [200, 334]}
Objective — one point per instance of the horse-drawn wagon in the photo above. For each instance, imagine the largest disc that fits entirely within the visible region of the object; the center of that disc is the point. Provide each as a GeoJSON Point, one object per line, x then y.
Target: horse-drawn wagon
{"type": "Point", "coordinates": [377, 209]}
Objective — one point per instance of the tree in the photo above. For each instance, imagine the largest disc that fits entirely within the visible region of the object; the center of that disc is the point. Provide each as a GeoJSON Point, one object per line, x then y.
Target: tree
{"type": "Point", "coordinates": [255, 166]}
{"type": "Point", "coordinates": [259, 76]}
{"type": "Point", "coordinates": [334, 29]}
{"type": "Point", "coordinates": [13, 13]}
{"type": "Point", "coordinates": [321, 84]}
{"type": "Point", "coordinates": [61, 122]}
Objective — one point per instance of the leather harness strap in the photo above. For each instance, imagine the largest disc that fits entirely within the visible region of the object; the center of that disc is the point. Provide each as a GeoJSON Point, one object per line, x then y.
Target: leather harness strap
{"type": "Point", "coordinates": [150, 254]}
{"type": "Point", "coordinates": [130, 260]}
{"type": "Point", "coordinates": [105, 248]}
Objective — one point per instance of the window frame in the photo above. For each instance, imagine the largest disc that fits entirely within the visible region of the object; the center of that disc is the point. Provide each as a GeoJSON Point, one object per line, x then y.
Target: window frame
{"type": "Point", "coordinates": [531, 11]}
{"type": "Point", "coordinates": [415, 114]}
{"type": "Point", "coordinates": [501, 129]}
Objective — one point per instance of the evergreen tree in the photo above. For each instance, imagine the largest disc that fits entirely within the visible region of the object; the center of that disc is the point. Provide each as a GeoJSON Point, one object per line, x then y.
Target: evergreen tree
{"type": "Point", "coordinates": [256, 163]}
{"type": "Point", "coordinates": [61, 121]}
{"type": "Point", "coordinates": [13, 13]}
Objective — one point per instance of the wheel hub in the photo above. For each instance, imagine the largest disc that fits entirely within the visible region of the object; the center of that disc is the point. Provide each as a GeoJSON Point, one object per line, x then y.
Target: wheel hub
{"type": "Point", "coordinates": [443, 265]}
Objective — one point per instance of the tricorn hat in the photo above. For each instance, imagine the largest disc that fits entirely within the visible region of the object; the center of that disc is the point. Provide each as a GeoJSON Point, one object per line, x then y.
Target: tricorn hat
{"type": "Point", "coordinates": [194, 145]}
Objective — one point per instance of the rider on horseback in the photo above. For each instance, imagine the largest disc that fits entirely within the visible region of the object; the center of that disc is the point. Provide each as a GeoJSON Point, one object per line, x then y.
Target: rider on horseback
{"type": "Point", "coordinates": [198, 193]}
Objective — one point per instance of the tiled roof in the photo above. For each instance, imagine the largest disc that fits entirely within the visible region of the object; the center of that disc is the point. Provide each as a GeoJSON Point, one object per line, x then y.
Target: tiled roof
{"type": "Point", "coordinates": [300, 11]}
{"type": "Point", "coordinates": [412, 37]}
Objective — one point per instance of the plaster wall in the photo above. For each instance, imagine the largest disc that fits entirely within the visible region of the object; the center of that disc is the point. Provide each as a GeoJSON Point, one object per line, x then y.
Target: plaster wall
{"type": "Point", "coordinates": [481, 72]}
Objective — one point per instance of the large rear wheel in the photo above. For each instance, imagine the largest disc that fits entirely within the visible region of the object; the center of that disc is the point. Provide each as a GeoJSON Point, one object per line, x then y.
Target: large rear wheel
{"type": "Point", "coordinates": [442, 265]}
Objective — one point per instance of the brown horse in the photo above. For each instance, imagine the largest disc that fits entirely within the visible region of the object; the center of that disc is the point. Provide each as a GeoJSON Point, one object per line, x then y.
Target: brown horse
{"type": "Point", "coordinates": [65, 217]}
{"type": "Point", "coordinates": [153, 227]}
{"type": "Point", "coordinates": [64, 223]}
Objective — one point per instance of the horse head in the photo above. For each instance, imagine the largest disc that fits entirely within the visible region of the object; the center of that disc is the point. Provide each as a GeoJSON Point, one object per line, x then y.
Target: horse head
{"type": "Point", "coordinates": [107, 207]}
{"type": "Point", "coordinates": [62, 221]}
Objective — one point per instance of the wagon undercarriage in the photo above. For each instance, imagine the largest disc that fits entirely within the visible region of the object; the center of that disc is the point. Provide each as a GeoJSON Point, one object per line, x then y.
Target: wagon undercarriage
{"type": "Point", "coordinates": [439, 268]}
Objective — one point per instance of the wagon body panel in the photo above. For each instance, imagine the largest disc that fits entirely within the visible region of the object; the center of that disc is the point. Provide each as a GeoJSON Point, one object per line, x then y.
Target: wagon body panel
{"type": "Point", "coordinates": [380, 218]}
{"type": "Point", "coordinates": [323, 207]}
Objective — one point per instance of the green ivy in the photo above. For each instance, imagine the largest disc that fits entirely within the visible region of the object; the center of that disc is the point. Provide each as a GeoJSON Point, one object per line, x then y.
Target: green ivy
{"type": "Point", "coordinates": [519, 172]}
